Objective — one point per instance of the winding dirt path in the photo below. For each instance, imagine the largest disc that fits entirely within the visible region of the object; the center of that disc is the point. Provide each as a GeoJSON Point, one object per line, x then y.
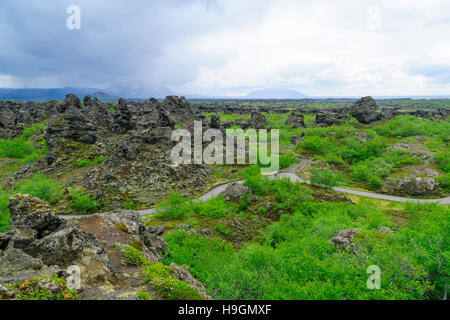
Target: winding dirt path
{"type": "Point", "coordinates": [290, 173]}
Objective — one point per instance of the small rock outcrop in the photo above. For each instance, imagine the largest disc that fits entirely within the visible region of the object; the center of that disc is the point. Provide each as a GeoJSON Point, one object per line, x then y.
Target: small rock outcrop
{"type": "Point", "coordinates": [40, 243]}
{"type": "Point", "coordinates": [235, 192]}
{"type": "Point", "coordinates": [71, 124]}
{"type": "Point", "coordinates": [257, 120]}
{"type": "Point", "coordinates": [412, 186]}
{"type": "Point", "coordinates": [296, 120]}
{"type": "Point", "coordinates": [365, 110]}
{"type": "Point", "coordinates": [344, 239]}
{"type": "Point", "coordinates": [122, 118]}
{"type": "Point", "coordinates": [328, 118]}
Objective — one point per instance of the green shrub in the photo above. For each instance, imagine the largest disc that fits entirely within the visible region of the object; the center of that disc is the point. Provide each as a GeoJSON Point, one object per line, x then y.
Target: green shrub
{"type": "Point", "coordinates": [443, 158]}
{"type": "Point", "coordinates": [444, 181]}
{"type": "Point", "coordinates": [28, 290]}
{"type": "Point", "coordinates": [30, 131]}
{"type": "Point", "coordinates": [17, 148]}
{"type": "Point", "coordinates": [46, 189]}
{"type": "Point", "coordinates": [160, 277]}
{"type": "Point", "coordinates": [89, 163]}
{"type": "Point", "coordinates": [216, 207]}
{"type": "Point", "coordinates": [129, 204]}
{"type": "Point", "coordinates": [258, 184]}
{"type": "Point", "coordinates": [82, 202]}
{"type": "Point", "coordinates": [143, 295]}
{"type": "Point", "coordinates": [224, 230]}
{"type": "Point", "coordinates": [4, 211]}
{"type": "Point", "coordinates": [406, 126]}
{"type": "Point", "coordinates": [175, 207]}
{"type": "Point", "coordinates": [287, 159]}
{"type": "Point", "coordinates": [296, 261]}
{"type": "Point", "coordinates": [324, 178]}
{"type": "Point", "coordinates": [289, 196]}
{"type": "Point", "coordinates": [374, 181]}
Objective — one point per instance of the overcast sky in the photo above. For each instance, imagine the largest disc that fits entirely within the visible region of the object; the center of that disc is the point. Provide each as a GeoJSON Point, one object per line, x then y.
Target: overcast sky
{"type": "Point", "coordinates": [230, 47]}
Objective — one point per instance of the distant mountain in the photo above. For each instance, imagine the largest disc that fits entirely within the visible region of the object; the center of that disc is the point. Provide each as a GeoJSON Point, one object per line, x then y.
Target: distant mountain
{"type": "Point", "coordinates": [103, 96]}
{"type": "Point", "coordinates": [43, 94]}
{"type": "Point", "coordinates": [111, 93]}
{"type": "Point", "coordinates": [139, 92]}
{"type": "Point", "coordinates": [273, 93]}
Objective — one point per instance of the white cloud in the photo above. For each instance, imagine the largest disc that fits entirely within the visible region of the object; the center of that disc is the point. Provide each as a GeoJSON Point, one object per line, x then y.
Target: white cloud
{"type": "Point", "coordinates": [231, 46]}
{"type": "Point", "coordinates": [332, 49]}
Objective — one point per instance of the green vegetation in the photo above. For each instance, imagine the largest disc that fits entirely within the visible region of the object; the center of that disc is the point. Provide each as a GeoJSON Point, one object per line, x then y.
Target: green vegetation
{"type": "Point", "coordinates": [143, 295]}
{"type": "Point", "coordinates": [29, 289]}
{"type": "Point", "coordinates": [16, 149]}
{"type": "Point", "coordinates": [406, 126]}
{"type": "Point", "coordinates": [160, 277]}
{"type": "Point", "coordinates": [366, 155]}
{"type": "Point", "coordinates": [4, 211]}
{"type": "Point", "coordinates": [177, 207]}
{"type": "Point", "coordinates": [295, 260]}
{"type": "Point", "coordinates": [23, 150]}
{"type": "Point", "coordinates": [46, 189]}
{"type": "Point", "coordinates": [325, 178]}
{"type": "Point", "coordinates": [31, 131]}
{"type": "Point", "coordinates": [82, 202]}
{"type": "Point", "coordinates": [89, 163]}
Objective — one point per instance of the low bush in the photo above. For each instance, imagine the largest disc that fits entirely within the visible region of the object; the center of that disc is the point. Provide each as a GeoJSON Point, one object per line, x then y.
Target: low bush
{"type": "Point", "coordinates": [82, 202]}
{"type": "Point", "coordinates": [89, 163]}
{"type": "Point", "coordinates": [216, 207]}
{"type": "Point", "coordinates": [324, 178]}
{"type": "Point", "coordinates": [443, 158]}
{"type": "Point", "coordinates": [296, 261]}
{"type": "Point", "coordinates": [175, 207]}
{"type": "Point", "coordinates": [17, 148]}
{"type": "Point", "coordinates": [289, 196]}
{"type": "Point", "coordinates": [444, 181]}
{"type": "Point", "coordinates": [46, 189]}
{"type": "Point", "coordinates": [4, 211]}
{"type": "Point", "coordinates": [30, 131]}
{"type": "Point", "coordinates": [29, 290]}
{"type": "Point", "coordinates": [406, 126]}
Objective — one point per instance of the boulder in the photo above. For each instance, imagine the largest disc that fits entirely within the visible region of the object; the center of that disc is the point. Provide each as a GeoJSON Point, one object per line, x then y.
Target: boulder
{"type": "Point", "coordinates": [296, 120]}
{"type": "Point", "coordinates": [182, 274]}
{"type": "Point", "coordinates": [412, 186]}
{"type": "Point", "coordinates": [344, 239]}
{"type": "Point", "coordinates": [235, 192]}
{"type": "Point", "coordinates": [328, 118]}
{"type": "Point", "coordinates": [25, 204]}
{"type": "Point", "coordinates": [257, 120]}
{"type": "Point", "coordinates": [122, 117]}
{"type": "Point", "coordinates": [382, 229]}
{"type": "Point", "coordinates": [294, 139]}
{"type": "Point", "coordinates": [6, 294]}
{"type": "Point", "coordinates": [215, 122]}
{"type": "Point", "coordinates": [366, 110]}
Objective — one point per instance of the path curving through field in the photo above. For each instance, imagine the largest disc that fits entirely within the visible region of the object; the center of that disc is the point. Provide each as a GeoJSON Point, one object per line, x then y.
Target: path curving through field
{"type": "Point", "coordinates": [291, 174]}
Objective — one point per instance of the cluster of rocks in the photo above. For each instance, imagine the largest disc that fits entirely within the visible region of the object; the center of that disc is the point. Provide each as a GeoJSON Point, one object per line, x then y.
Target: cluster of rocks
{"type": "Point", "coordinates": [296, 120]}
{"type": "Point", "coordinates": [257, 120]}
{"type": "Point", "coordinates": [39, 242]}
{"type": "Point", "coordinates": [415, 186]}
{"type": "Point", "coordinates": [133, 137]}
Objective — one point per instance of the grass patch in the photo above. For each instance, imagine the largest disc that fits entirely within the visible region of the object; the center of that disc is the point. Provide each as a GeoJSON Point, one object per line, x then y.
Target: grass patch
{"type": "Point", "coordinates": [82, 202]}
{"type": "Point", "coordinates": [46, 189]}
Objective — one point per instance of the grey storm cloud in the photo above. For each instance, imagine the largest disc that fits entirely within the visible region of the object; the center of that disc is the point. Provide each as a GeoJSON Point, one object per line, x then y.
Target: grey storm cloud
{"type": "Point", "coordinates": [118, 40]}
{"type": "Point", "coordinates": [228, 46]}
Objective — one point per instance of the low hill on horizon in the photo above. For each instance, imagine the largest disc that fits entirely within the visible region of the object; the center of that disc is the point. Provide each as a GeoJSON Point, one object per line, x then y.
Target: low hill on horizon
{"type": "Point", "coordinates": [274, 93]}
